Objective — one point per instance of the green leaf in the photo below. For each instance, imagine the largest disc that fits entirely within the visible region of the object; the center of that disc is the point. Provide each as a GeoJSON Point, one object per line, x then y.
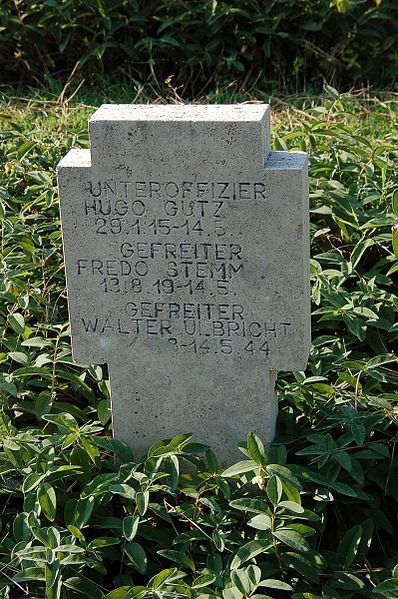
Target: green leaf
{"type": "Point", "coordinates": [218, 540]}
{"type": "Point", "coordinates": [255, 449]}
{"type": "Point", "coordinates": [250, 550]}
{"type": "Point", "coordinates": [130, 527]}
{"type": "Point", "coordinates": [29, 574]}
{"type": "Point", "coordinates": [273, 583]}
{"type": "Point", "coordinates": [48, 500]}
{"type": "Point", "coordinates": [123, 490]}
{"type": "Point", "coordinates": [83, 510]}
{"type": "Point", "coordinates": [19, 357]}
{"type": "Point", "coordinates": [63, 421]}
{"type": "Point", "coordinates": [274, 490]}
{"type": "Point", "coordinates": [159, 580]}
{"type": "Point", "coordinates": [349, 545]}
{"type": "Point", "coordinates": [388, 588]}
{"type": "Point", "coordinates": [345, 489]}
{"type": "Point", "coordinates": [331, 91]}
{"type": "Point", "coordinates": [142, 501]}
{"type": "Point", "coordinates": [395, 202]}
{"type": "Point", "coordinates": [304, 565]}
{"type": "Point", "coordinates": [32, 481]}
{"type": "Point", "coordinates": [126, 592]}
{"type": "Point", "coordinates": [292, 506]}
{"type": "Point", "coordinates": [179, 557]}
{"type": "Point", "coordinates": [240, 468]}
{"type": "Point", "coordinates": [242, 582]}
{"type": "Point", "coordinates": [248, 504]}
{"type": "Point", "coordinates": [76, 532]}
{"type": "Point", "coordinates": [137, 556]}
{"type": "Point", "coordinates": [25, 148]}
{"type": "Point", "coordinates": [343, 458]}
{"type": "Point", "coordinates": [17, 322]}
{"type": "Point", "coordinates": [21, 527]}
{"type": "Point", "coordinates": [104, 411]}
{"type": "Point", "coordinates": [44, 401]}
{"type": "Point", "coordinates": [261, 522]}
{"type": "Point", "coordinates": [292, 538]}
{"type": "Point", "coordinates": [285, 474]}
{"type": "Point", "coordinates": [83, 586]}
{"type": "Point", "coordinates": [395, 240]}
{"type": "Point", "coordinates": [203, 580]}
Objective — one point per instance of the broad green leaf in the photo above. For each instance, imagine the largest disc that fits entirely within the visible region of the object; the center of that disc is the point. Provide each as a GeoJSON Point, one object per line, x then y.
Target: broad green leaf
{"type": "Point", "coordinates": [249, 504]}
{"type": "Point", "coordinates": [19, 357]}
{"type": "Point", "coordinates": [343, 458]}
{"type": "Point", "coordinates": [76, 532]}
{"type": "Point", "coordinates": [292, 538]}
{"type": "Point", "coordinates": [159, 580]}
{"type": "Point", "coordinates": [137, 556]}
{"type": "Point", "coordinates": [83, 510]}
{"type": "Point", "coordinates": [349, 545]}
{"type": "Point", "coordinates": [83, 586]}
{"type": "Point", "coordinates": [272, 583]}
{"type": "Point", "coordinates": [63, 421]}
{"type": "Point", "coordinates": [25, 148]}
{"type": "Point", "coordinates": [17, 322]}
{"type": "Point", "coordinates": [179, 557]}
{"type": "Point", "coordinates": [345, 489]}
{"type": "Point", "coordinates": [255, 449]}
{"type": "Point", "coordinates": [261, 522]}
{"type": "Point", "coordinates": [388, 588]}
{"type": "Point", "coordinates": [285, 474]}
{"type": "Point", "coordinates": [104, 411]}
{"type": "Point", "coordinates": [328, 88]}
{"type": "Point", "coordinates": [142, 501]}
{"type": "Point", "coordinates": [30, 574]}
{"type": "Point", "coordinates": [250, 550]}
{"type": "Point", "coordinates": [274, 490]}
{"type": "Point", "coordinates": [395, 240]}
{"type": "Point", "coordinates": [123, 490]}
{"type": "Point", "coordinates": [302, 564]}
{"type": "Point", "coordinates": [130, 527]}
{"type": "Point", "coordinates": [292, 506]}
{"type": "Point", "coordinates": [126, 592]}
{"type": "Point", "coordinates": [44, 402]}
{"type": "Point", "coordinates": [100, 542]}
{"type": "Point", "coordinates": [203, 580]}
{"type": "Point", "coordinates": [32, 481]}
{"type": "Point", "coordinates": [240, 468]}
{"type": "Point", "coordinates": [218, 540]}
{"type": "Point", "coordinates": [48, 500]}
{"type": "Point", "coordinates": [310, 596]}
{"type": "Point", "coordinates": [242, 582]}
{"type": "Point", "coordinates": [21, 527]}
{"type": "Point", "coordinates": [395, 202]}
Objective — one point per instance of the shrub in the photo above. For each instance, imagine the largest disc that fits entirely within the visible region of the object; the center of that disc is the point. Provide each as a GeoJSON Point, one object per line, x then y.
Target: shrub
{"type": "Point", "coordinates": [281, 44]}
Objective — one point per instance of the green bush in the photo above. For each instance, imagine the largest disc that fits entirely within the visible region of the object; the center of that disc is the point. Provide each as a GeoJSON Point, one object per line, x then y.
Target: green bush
{"type": "Point", "coordinates": [312, 518]}
{"type": "Point", "coordinates": [82, 518]}
{"type": "Point", "coordinates": [284, 44]}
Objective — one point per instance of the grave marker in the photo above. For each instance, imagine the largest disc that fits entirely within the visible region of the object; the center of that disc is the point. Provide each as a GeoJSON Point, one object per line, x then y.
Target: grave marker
{"type": "Point", "coordinates": [187, 262]}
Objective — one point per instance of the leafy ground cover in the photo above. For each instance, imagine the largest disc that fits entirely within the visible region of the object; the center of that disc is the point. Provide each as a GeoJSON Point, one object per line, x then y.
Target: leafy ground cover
{"type": "Point", "coordinates": [314, 516]}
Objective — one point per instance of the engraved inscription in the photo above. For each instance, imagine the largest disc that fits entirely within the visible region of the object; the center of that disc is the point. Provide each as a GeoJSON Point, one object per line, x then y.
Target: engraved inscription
{"type": "Point", "coordinates": [167, 251]}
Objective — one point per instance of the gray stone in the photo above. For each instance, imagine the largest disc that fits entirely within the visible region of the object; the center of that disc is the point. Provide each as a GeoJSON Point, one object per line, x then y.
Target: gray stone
{"type": "Point", "coordinates": [187, 262]}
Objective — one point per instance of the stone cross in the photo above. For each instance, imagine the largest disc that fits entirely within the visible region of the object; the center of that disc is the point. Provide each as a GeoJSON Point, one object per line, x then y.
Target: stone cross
{"type": "Point", "coordinates": [187, 263]}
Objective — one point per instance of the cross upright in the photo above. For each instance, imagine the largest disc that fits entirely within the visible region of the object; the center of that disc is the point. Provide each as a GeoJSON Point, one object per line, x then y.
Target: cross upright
{"type": "Point", "coordinates": [187, 263]}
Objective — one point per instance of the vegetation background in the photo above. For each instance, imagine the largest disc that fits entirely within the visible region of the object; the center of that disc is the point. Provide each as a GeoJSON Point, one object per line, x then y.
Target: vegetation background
{"type": "Point", "coordinates": [315, 515]}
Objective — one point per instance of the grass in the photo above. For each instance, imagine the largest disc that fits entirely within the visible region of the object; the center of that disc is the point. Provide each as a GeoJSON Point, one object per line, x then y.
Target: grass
{"type": "Point", "coordinates": [374, 113]}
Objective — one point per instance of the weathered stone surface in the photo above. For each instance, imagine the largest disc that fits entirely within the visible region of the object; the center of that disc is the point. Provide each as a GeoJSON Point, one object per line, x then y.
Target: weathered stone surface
{"type": "Point", "coordinates": [187, 262]}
